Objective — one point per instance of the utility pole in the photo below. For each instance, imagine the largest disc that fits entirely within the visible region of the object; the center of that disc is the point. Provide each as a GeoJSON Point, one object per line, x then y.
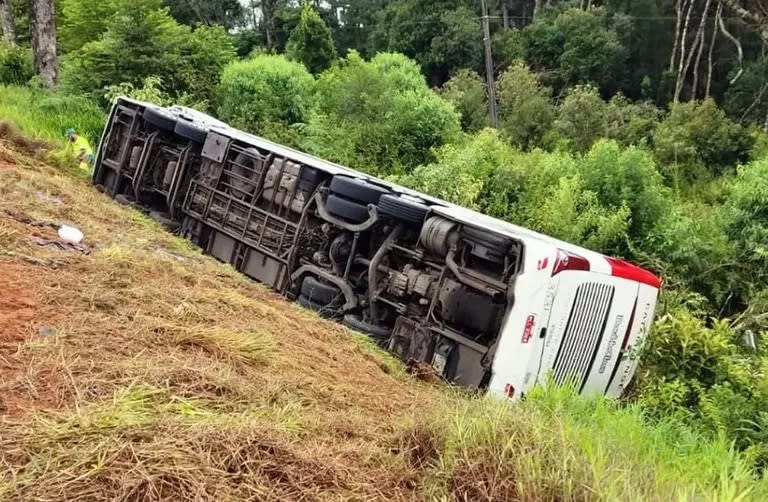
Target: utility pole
{"type": "Point", "coordinates": [489, 78]}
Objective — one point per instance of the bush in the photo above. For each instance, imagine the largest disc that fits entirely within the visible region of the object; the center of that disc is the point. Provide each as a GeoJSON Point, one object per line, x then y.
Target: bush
{"type": "Point", "coordinates": [576, 47]}
{"type": "Point", "coordinates": [581, 118]}
{"type": "Point", "coordinates": [142, 40]}
{"type": "Point", "coordinates": [627, 178]}
{"type": "Point", "coordinates": [46, 115]}
{"type": "Point", "coordinates": [699, 138]}
{"type": "Point", "coordinates": [15, 64]}
{"type": "Point", "coordinates": [266, 95]}
{"type": "Point", "coordinates": [631, 124]}
{"type": "Point", "coordinates": [461, 171]}
{"type": "Point", "coordinates": [747, 220]}
{"type": "Point", "coordinates": [379, 115]}
{"type": "Point", "coordinates": [84, 21]}
{"type": "Point", "coordinates": [466, 91]}
{"type": "Point", "coordinates": [525, 110]}
{"type": "Point", "coordinates": [311, 42]}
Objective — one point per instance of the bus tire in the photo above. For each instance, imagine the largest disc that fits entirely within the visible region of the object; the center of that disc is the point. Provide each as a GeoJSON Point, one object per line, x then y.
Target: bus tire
{"type": "Point", "coordinates": [358, 324]}
{"type": "Point", "coordinates": [357, 189]}
{"type": "Point", "coordinates": [159, 119]}
{"type": "Point", "coordinates": [410, 209]}
{"type": "Point", "coordinates": [188, 130]}
{"type": "Point", "coordinates": [327, 311]}
{"type": "Point", "coordinates": [319, 292]}
{"type": "Point", "coordinates": [346, 209]}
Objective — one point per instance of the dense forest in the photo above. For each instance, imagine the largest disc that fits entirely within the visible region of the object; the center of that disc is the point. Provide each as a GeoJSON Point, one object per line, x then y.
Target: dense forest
{"type": "Point", "coordinates": [636, 128]}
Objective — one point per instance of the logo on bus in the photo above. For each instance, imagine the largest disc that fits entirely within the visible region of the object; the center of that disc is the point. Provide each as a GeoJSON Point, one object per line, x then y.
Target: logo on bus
{"type": "Point", "coordinates": [528, 331]}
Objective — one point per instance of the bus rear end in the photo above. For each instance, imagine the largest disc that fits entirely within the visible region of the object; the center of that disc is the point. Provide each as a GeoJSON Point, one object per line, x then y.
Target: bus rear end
{"type": "Point", "coordinates": [579, 316]}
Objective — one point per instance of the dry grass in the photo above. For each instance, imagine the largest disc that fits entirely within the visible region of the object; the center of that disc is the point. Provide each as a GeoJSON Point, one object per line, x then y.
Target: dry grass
{"type": "Point", "coordinates": [169, 376]}
{"type": "Point", "coordinates": [161, 374]}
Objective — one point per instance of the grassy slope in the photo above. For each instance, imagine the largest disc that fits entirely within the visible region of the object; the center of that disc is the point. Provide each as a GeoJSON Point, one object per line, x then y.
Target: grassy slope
{"type": "Point", "coordinates": [169, 376]}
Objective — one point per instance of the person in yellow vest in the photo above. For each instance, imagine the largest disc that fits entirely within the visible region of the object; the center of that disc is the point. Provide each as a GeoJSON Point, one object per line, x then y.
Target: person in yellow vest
{"type": "Point", "coordinates": [80, 148]}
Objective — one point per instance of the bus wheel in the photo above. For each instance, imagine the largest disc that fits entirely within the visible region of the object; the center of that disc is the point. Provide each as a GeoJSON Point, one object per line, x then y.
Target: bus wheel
{"type": "Point", "coordinates": [346, 209]}
{"type": "Point", "coordinates": [404, 208]}
{"type": "Point", "coordinates": [357, 189]}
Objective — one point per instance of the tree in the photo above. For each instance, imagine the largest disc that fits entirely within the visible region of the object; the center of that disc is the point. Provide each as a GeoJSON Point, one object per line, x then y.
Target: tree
{"type": "Point", "coordinates": [226, 13]}
{"type": "Point", "coordinates": [524, 106]}
{"type": "Point", "coordinates": [459, 44]}
{"type": "Point", "coordinates": [6, 18]}
{"type": "Point", "coordinates": [698, 137]}
{"type": "Point", "coordinates": [84, 21]}
{"type": "Point", "coordinates": [507, 47]}
{"type": "Point", "coordinates": [411, 27]}
{"type": "Point", "coordinates": [581, 118]}
{"type": "Point", "coordinates": [266, 95]}
{"type": "Point", "coordinates": [143, 40]}
{"type": "Point", "coordinates": [467, 93]}
{"type": "Point", "coordinates": [576, 47]}
{"type": "Point", "coordinates": [311, 42]}
{"type": "Point", "coordinates": [379, 115]}
{"type": "Point", "coordinates": [42, 30]}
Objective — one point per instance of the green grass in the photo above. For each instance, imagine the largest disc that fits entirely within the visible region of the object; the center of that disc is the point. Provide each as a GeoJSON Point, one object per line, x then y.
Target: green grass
{"type": "Point", "coordinates": [45, 115]}
{"type": "Point", "coordinates": [557, 446]}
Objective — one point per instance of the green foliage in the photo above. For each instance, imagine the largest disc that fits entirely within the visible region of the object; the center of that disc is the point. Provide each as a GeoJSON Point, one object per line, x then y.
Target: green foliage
{"type": "Point", "coordinates": [556, 445]}
{"type": "Point", "coordinates": [747, 98]}
{"type": "Point", "coordinates": [627, 178]}
{"type": "Point", "coordinates": [151, 91]}
{"type": "Point", "coordinates": [747, 219]}
{"type": "Point", "coordinates": [458, 44]}
{"type": "Point", "coordinates": [15, 64]}
{"type": "Point", "coordinates": [699, 373]}
{"type": "Point", "coordinates": [525, 110]}
{"type": "Point", "coordinates": [379, 115]}
{"type": "Point", "coordinates": [582, 118]}
{"type": "Point", "coordinates": [266, 95]}
{"type": "Point", "coordinates": [508, 47]}
{"type": "Point", "coordinates": [466, 91]}
{"type": "Point", "coordinates": [311, 42]}
{"type": "Point", "coordinates": [697, 137]}
{"type": "Point", "coordinates": [572, 213]}
{"type": "Point", "coordinates": [441, 35]}
{"type": "Point", "coordinates": [46, 115]}
{"type": "Point", "coordinates": [84, 21]}
{"type": "Point", "coordinates": [226, 13]}
{"type": "Point", "coordinates": [142, 40]}
{"type": "Point", "coordinates": [631, 123]}
{"type": "Point", "coordinates": [461, 172]}
{"type": "Point", "coordinates": [575, 47]}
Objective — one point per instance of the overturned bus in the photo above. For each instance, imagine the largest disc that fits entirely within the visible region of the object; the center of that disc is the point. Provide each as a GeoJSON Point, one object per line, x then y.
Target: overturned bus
{"type": "Point", "coordinates": [488, 304]}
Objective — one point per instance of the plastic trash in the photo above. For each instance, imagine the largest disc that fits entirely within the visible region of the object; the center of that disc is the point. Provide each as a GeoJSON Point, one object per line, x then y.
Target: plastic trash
{"type": "Point", "coordinates": [71, 235]}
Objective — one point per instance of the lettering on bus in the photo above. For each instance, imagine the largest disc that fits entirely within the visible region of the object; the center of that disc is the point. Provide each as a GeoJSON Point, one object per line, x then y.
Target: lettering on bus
{"type": "Point", "coordinates": [614, 338]}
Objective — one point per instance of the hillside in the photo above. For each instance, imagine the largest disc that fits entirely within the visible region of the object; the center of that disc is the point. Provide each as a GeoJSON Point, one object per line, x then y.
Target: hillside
{"type": "Point", "coordinates": [135, 368]}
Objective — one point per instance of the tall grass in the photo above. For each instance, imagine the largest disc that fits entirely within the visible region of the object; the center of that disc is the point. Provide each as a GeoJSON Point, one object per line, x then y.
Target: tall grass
{"type": "Point", "coordinates": [45, 115]}
{"type": "Point", "coordinates": [558, 446]}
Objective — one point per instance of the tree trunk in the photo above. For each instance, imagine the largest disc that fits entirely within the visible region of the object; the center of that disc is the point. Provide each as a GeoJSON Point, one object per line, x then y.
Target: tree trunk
{"type": "Point", "coordinates": [679, 8]}
{"type": "Point", "coordinates": [700, 35]}
{"type": "Point", "coordinates": [683, 66]}
{"type": "Point", "coordinates": [756, 19]}
{"type": "Point", "coordinates": [537, 6]}
{"type": "Point", "coordinates": [505, 14]}
{"type": "Point", "coordinates": [740, 51]}
{"type": "Point", "coordinates": [42, 30]}
{"type": "Point", "coordinates": [6, 17]}
{"type": "Point", "coordinates": [268, 9]}
{"type": "Point", "coordinates": [710, 65]}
